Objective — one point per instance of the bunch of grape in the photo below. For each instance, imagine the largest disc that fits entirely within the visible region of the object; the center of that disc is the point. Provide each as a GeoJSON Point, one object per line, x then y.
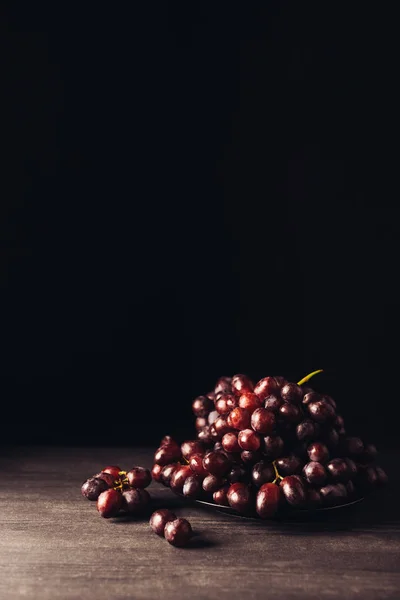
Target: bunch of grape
{"type": "Point", "coordinates": [268, 448]}
{"type": "Point", "coordinates": [118, 491]}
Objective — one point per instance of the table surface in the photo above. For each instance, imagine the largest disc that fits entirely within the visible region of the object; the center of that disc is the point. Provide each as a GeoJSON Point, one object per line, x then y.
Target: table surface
{"type": "Point", "coordinates": [54, 545]}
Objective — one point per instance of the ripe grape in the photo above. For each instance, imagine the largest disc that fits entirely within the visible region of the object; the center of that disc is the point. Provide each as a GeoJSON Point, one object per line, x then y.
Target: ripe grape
{"type": "Point", "coordinates": [167, 472]}
{"type": "Point", "coordinates": [249, 402]}
{"type": "Point", "coordinates": [178, 532]}
{"type": "Point", "coordinates": [262, 472]}
{"type": "Point", "coordinates": [318, 452]}
{"type": "Point", "coordinates": [272, 403]}
{"type": "Point", "coordinates": [230, 442]}
{"type": "Point", "coordinates": [250, 457]}
{"type": "Point", "coordinates": [216, 463]}
{"type": "Point", "coordinates": [321, 411]}
{"type": "Point", "coordinates": [237, 473]}
{"type": "Point", "coordinates": [192, 487]}
{"type": "Point", "coordinates": [135, 500]}
{"type": "Point", "coordinates": [196, 464]}
{"type": "Point", "coordinates": [263, 421]}
{"type": "Point", "coordinates": [220, 496]}
{"type": "Point", "coordinates": [139, 477]}
{"type": "Point", "coordinates": [267, 500]}
{"type": "Point", "coordinates": [202, 406]}
{"type": "Point", "coordinates": [224, 385]}
{"type": "Point", "coordinates": [200, 422]}
{"type": "Point", "coordinates": [113, 470]}
{"type": "Point", "coordinates": [225, 404]}
{"type": "Point", "coordinates": [179, 477]}
{"type": "Point", "coordinates": [159, 519]}
{"type": "Point", "coordinates": [249, 440]}
{"type": "Point", "coordinates": [221, 426]}
{"type": "Point", "coordinates": [306, 430]}
{"type": "Point", "coordinates": [289, 465]}
{"type": "Point", "coordinates": [93, 487]}
{"type": "Point", "coordinates": [211, 483]}
{"type": "Point", "coordinates": [265, 387]}
{"type": "Point", "coordinates": [241, 383]}
{"type": "Point", "coordinates": [292, 392]}
{"type": "Point", "coordinates": [212, 417]}
{"type": "Point", "coordinates": [239, 497]}
{"type": "Point", "coordinates": [293, 490]}
{"type": "Point", "coordinates": [156, 472]}
{"type": "Point", "coordinates": [273, 446]}
{"type": "Point", "coordinates": [166, 455]}
{"type": "Point", "coordinates": [191, 447]}
{"type": "Point", "coordinates": [109, 503]}
{"type": "Point", "coordinates": [338, 470]}
{"type": "Point", "coordinates": [239, 418]}
{"type": "Point", "coordinates": [290, 413]}
{"type": "Point", "coordinates": [315, 473]}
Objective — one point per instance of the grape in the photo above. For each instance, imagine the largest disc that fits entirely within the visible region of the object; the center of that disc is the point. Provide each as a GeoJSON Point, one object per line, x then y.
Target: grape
{"type": "Point", "coordinates": [311, 397]}
{"type": "Point", "coordinates": [239, 418]}
{"type": "Point", "coordinates": [211, 483]}
{"type": "Point", "coordinates": [167, 472]}
{"type": "Point", "coordinates": [156, 472]}
{"type": "Point", "coordinates": [204, 436]}
{"type": "Point", "coordinates": [191, 447]}
{"type": "Point", "coordinates": [290, 413]}
{"type": "Point", "coordinates": [330, 495]}
{"type": "Point", "coordinates": [318, 452]}
{"type": "Point", "coordinates": [338, 470]}
{"type": "Point", "coordinates": [241, 383]}
{"type": "Point", "coordinates": [192, 487]}
{"type": "Point", "coordinates": [216, 463]}
{"type": "Point", "coordinates": [293, 490]}
{"type": "Point", "coordinates": [134, 501]}
{"type": "Point", "coordinates": [330, 401]}
{"type": "Point", "coordinates": [313, 498]}
{"type": "Point", "coordinates": [321, 411]}
{"type": "Point", "coordinates": [273, 446]}
{"type": "Point", "coordinates": [265, 387]}
{"type": "Point", "coordinates": [267, 500]}
{"type": "Point", "coordinates": [263, 421]}
{"type": "Point", "coordinates": [249, 402]}
{"type": "Point", "coordinates": [306, 430]}
{"type": "Point", "coordinates": [166, 455]}
{"type": "Point", "coordinates": [178, 532]}
{"type": "Point", "coordinates": [179, 477]}
{"type": "Point", "coordinates": [262, 472]}
{"type": "Point", "coordinates": [273, 403]}
{"type": "Point", "coordinates": [225, 404]}
{"type": "Point", "coordinates": [221, 426]}
{"type": "Point", "coordinates": [224, 385]}
{"type": "Point", "coordinates": [237, 473]}
{"type": "Point", "coordinates": [291, 392]}
{"type": "Point", "coordinates": [220, 496]}
{"type": "Point", "coordinates": [159, 519]}
{"type": "Point", "coordinates": [107, 477]}
{"type": "Point", "coordinates": [351, 466]}
{"type": "Point", "coordinates": [315, 473]}
{"type": "Point", "coordinates": [289, 465]}
{"type": "Point", "coordinates": [113, 470]}
{"type": "Point", "coordinates": [239, 497]}
{"type": "Point", "coordinates": [249, 440]}
{"type": "Point", "coordinates": [212, 417]}
{"type": "Point", "coordinates": [200, 423]}
{"type": "Point", "coordinates": [382, 478]}
{"type": "Point", "coordinates": [230, 442]}
{"type": "Point", "coordinates": [202, 406]}
{"type": "Point", "coordinates": [196, 464]}
{"type": "Point", "coordinates": [139, 477]}
{"type": "Point", "coordinates": [109, 503]}
{"type": "Point", "coordinates": [250, 457]}
{"type": "Point", "coordinates": [93, 487]}
{"type": "Point", "coordinates": [354, 446]}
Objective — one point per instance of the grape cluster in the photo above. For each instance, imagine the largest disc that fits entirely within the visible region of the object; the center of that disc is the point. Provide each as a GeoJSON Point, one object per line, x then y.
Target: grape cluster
{"type": "Point", "coordinates": [266, 448]}
{"type": "Point", "coordinates": [118, 491]}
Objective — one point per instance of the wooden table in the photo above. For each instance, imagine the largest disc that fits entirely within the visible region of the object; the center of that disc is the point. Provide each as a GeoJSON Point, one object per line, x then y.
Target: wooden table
{"type": "Point", "coordinates": [54, 545]}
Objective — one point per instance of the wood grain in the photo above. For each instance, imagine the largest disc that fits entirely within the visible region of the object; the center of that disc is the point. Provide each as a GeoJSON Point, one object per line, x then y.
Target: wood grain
{"type": "Point", "coordinates": [54, 545]}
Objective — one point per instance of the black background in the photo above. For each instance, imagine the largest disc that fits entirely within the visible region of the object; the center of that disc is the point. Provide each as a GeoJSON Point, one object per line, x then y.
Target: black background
{"type": "Point", "coordinates": [191, 190]}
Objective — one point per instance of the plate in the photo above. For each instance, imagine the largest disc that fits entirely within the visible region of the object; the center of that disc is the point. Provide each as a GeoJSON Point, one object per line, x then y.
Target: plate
{"type": "Point", "coordinates": [287, 514]}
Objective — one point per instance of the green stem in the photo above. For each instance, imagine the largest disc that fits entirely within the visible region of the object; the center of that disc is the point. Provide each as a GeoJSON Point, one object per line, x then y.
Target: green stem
{"type": "Point", "coordinates": [308, 377]}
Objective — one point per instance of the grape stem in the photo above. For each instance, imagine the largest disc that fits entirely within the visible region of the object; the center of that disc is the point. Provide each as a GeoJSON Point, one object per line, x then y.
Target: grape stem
{"type": "Point", "coordinates": [308, 377]}
{"type": "Point", "coordinates": [122, 482]}
{"type": "Point", "coordinates": [278, 477]}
